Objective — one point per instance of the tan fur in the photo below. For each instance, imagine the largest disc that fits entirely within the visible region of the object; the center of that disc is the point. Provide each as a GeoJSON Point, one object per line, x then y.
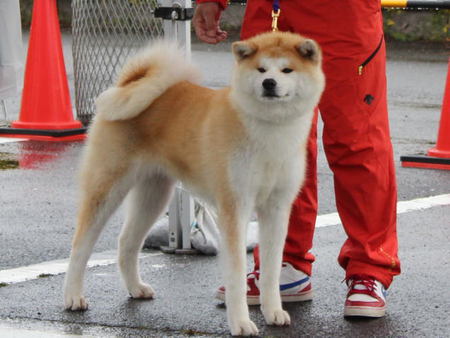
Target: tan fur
{"type": "Point", "coordinates": [155, 126]}
{"type": "Point", "coordinates": [282, 45]}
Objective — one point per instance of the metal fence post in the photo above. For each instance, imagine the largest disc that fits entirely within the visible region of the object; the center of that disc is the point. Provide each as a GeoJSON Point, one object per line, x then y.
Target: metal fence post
{"type": "Point", "coordinates": [179, 31]}
{"type": "Point", "coordinates": [181, 217]}
{"type": "Point", "coordinates": [181, 209]}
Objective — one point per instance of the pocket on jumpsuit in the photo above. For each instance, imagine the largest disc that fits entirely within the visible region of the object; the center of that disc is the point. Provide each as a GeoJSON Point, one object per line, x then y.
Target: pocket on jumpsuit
{"type": "Point", "coordinates": [347, 106]}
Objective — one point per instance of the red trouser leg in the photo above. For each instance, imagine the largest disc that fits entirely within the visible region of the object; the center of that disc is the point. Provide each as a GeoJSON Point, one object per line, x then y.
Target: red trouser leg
{"type": "Point", "coordinates": [356, 132]}
{"type": "Point", "coordinates": [357, 144]}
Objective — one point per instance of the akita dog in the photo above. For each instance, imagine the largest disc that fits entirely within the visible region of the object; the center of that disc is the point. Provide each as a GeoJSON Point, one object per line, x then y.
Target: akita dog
{"type": "Point", "coordinates": [241, 149]}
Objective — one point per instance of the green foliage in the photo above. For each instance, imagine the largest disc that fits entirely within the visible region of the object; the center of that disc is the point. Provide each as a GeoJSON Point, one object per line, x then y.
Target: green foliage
{"type": "Point", "coordinates": [7, 161]}
{"type": "Point", "coordinates": [64, 12]}
{"type": "Point", "coordinates": [405, 25]}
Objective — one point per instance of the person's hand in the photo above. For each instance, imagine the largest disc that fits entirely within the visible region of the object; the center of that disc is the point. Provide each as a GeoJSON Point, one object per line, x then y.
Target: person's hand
{"type": "Point", "coordinates": [206, 22]}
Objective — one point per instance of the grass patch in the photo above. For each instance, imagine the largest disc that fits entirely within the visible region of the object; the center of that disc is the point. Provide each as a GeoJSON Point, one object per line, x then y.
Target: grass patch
{"type": "Point", "coordinates": [3, 284]}
{"type": "Point", "coordinates": [8, 164]}
{"type": "Point", "coordinates": [7, 161]}
{"type": "Point", "coordinates": [45, 275]}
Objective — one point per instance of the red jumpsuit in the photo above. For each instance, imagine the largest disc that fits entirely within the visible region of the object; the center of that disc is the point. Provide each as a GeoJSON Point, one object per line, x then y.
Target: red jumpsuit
{"type": "Point", "coordinates": [356, 132]}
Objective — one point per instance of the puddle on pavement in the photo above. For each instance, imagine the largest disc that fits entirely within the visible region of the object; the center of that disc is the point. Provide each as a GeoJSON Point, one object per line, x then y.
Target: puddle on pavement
{"type": "Point", "coordinates": [33, 154]}
{"type": "Point", "coordinates": [37, 154]}
{"type": "Point", "coordinates": [8, 161]}
{"type": "Point", "coordinates": [419, 105]}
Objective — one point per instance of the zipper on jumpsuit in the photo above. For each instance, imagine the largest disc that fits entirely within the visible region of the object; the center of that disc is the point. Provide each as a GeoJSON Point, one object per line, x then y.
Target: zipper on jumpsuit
{"type": "Point", "coordinates": [371, 56]}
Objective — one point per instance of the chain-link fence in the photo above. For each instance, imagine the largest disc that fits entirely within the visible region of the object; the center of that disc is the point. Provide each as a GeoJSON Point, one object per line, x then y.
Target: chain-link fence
{"type": "Point", "coordinates": [105, 33]}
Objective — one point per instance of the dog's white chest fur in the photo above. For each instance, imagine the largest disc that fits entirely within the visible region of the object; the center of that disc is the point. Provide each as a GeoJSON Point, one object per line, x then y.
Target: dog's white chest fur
{"type": "Point", "coordinates": [272, 160]}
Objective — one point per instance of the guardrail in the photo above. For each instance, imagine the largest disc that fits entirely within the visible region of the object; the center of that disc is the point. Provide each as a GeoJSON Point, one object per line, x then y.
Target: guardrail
{"type": "Point", "coordinates": [418, 4]}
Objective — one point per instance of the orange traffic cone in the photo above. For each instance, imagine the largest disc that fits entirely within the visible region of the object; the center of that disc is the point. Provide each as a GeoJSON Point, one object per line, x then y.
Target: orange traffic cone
{"type": "Point", "coordinates": [439, 156]}
{"type": "Point", "coordinates": [46, 111]}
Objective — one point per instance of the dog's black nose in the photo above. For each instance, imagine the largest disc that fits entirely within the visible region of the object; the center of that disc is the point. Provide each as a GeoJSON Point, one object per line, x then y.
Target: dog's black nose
{"type": "Point", "coordinates": [269, 84]}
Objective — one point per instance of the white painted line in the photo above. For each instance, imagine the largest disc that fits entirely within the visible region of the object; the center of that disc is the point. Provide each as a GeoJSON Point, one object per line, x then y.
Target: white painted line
{"type": "Point", "coordinates": [423, 203]}
{"type": "Point", "coordinates": [30, 328]}
{"type": "Point", "coordinates": [55, 267]}
{"type": "Point", "coordinates": [327, 220]}
{"type": "Point", "coordinates": [30, 272]}
{"type": "Point", "coordinates": [11, 139]}
{"type": "Point", "coordinates": [28, 333]}
{"type": "Point", "coordinates": [402, 207]}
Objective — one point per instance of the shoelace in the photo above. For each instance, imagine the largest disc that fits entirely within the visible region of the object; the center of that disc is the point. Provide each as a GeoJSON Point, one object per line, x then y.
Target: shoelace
{"type": "Point", "coordinates": [366, 281]}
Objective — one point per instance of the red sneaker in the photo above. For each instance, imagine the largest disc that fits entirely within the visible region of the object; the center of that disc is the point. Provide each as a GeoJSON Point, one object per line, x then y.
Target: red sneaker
{"type": "Point", "coordinates": [366, 297]}
{"type": "Point", "coordinates": [295, 286]}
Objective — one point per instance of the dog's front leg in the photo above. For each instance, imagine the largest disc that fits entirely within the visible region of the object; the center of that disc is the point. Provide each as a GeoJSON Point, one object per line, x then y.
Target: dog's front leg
{"type": "Point", "coordinates": [233, 255]}
{"type": "Point", "coordinates": [273, 220]}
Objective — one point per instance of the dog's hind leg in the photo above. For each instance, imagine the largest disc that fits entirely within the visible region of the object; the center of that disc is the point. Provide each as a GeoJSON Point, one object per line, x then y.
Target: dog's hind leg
{"type": "Point", "coordinates": [273, 219]}
{"type": "Point", "coordinates": [147, 200]}
{"type": "Point", "coordinates": [233, 225]}
{"type": "Point", "coordinates": [105, 184]}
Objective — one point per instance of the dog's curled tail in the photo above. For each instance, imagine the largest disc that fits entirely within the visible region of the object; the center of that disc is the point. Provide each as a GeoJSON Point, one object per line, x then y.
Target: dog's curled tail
{"type": "Point", "coordinates": [145, 77]}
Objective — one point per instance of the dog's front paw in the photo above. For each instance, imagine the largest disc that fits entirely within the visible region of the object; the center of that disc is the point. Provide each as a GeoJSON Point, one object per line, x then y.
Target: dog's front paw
{"type": "Point", "coordinates": [142, 291]}
{"type": "Point", "coordinates": [277, 317]}
{"type": "Point", "coordinates": [243, 328]}
{"type": "Point", "coordinates": [75, 303]}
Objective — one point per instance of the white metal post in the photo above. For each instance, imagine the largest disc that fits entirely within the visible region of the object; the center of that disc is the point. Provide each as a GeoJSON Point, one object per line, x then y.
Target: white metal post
{"type": "Point", "coordinates": [181, 209]}
{"type": "Point", "coordinates": [179, 31]}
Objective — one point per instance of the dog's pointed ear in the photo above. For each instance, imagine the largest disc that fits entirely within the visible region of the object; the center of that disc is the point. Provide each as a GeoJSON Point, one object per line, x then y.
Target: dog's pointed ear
{"type": "Point", "coordinates": [309, 49]}
{"type": "Point", "coordinates": [242, 50]}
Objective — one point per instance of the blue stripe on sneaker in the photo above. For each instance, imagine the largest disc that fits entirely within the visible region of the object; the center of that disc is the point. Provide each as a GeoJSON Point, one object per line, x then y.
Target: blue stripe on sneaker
{"type": "Point", "coordinates": [291, 285]}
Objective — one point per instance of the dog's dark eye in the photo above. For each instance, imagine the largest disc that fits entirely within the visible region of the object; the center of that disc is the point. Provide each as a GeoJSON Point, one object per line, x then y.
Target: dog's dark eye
{"type": "Point", "coordinates": [286, 70]}
{"type": "Point", "coordinates": [261, 70]}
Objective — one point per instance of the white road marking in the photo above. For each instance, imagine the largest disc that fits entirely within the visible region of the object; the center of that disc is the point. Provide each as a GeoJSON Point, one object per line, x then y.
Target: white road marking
{"type": "Point", "coordinates": [402, 207]}
{"type": "Point", "coordinates": [21, 274]}
{"type": "Point", "coordinates": [423, 203]}
{"type": "Point", "coordinates": [24, 273]}
{"type": "Point", "coordinates": [327, 220]}
{"type": "Point", "coordinates": [30, 328]}
{"type": "Point", "coordinates": [11, 332]}
{"type": "Point", "coordinates": [11, 139]}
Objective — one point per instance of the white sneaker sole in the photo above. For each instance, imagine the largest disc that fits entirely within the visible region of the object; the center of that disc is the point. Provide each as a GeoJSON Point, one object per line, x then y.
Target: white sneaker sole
{"type": "Point", "coordinates": [364, 311]}
{"type": "Point", "coordinates": [254, 300]}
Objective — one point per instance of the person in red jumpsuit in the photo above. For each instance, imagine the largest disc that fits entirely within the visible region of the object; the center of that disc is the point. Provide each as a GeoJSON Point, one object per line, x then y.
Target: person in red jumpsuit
{"type": "Point", "coordinates": [356, 141]}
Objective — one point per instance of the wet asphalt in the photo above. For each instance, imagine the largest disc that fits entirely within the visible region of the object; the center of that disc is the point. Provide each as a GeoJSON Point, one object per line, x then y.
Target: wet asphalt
{"type": "Point", "coordinates": [38, 184]}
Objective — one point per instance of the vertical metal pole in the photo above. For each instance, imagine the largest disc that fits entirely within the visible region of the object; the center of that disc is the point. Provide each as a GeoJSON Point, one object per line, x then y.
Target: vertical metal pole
{"type": "Point", "coordinates": [5, 111]}
{"type": "Point", "coordinates": [186, 219]}
{"type": "Point", "coordinates": [175, 234]}
{"type": "Point", "coordinates": [184, 30]}
{"type": "Point", "coordinates": [179, 31]}
{"type": "Point", "coordinates": [181, 217]}
{"type": "Point", "coordinates": [181, 209]}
